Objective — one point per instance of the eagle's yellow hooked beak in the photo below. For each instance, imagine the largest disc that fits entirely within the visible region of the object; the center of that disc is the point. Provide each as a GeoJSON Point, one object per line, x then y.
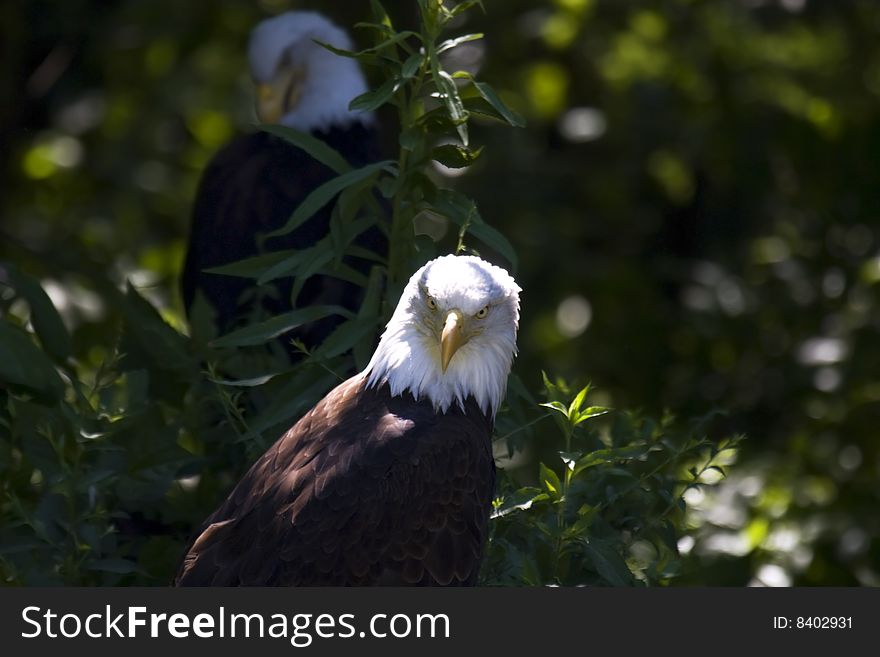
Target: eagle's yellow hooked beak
{"type": "Point", "coordinates": [452, 337]}
{"type": "Point", "coordinates": [280, 96]}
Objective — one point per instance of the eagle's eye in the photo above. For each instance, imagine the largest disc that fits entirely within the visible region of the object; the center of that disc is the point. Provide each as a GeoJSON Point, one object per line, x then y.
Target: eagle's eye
{"type": "Point", "coordinates": [482, 312]}
{"type": "Point", "coordinates": [430, 301]}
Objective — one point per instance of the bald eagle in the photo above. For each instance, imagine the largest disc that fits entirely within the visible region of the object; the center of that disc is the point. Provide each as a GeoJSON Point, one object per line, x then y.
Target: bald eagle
{"type": "Point", "coordinates": [253, 185]}
{"type": "Point", "coordinates": [389, 479]}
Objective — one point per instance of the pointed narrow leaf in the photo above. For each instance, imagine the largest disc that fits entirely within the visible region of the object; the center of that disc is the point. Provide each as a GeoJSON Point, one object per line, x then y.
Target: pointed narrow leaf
{"type": "Point", "coordinates": [346, 336]}
{"type": "Point", "coordinates": [449, 44]}
{"type": "Point", "coordinates": [493, 238]}
{"type": "Point", "coordinates": [380, 15]}
{"type": "Point", "coordinates": [463, 212]}
{"type": "Point", "coordinates": [291, 263]}
{"type": "Point", "coordinates": [320, 258]}
{"type": "Point", "coordinates": [278, 325]}
{"type": "Point", "coordinates": [452, 100]}
{"type": "Point", "coordinates": [488, 93]}
{"type": "Point", "coordinates": [315, 147]}
{"type": "Point", "coordinates": [608, 563]}
{"type": "Point", "coordinates": [23, 366]}
{"type": "Point", "coordinates": [464, 6]}
{"type": "Point", "coordinates": [556, 406]}
{"type": "Point", "coordinates": [578, 401]}
{"type": "Point", "coordinates": [365, 254]}
{"type": "Point", "coordinates": [47, 323]}
{"type": "Point", "coordinates": [323, 194]}
{"type": "Point", "coordinates": [399, 37]}
{"type": "Point", "coordinates": [369, 310]}
{"type": "Point", "coordinates": [611, 455]}
{"type": "Point", "coordinates": [591, 412]}
{"type": "Point", "coordinates": [254, 267]}
{"type": "Point", "coordinates": [372, 100]}
{"type": "Point", "coordinates": [550, 480]}
{"type": "Point", "coordinates": [411, 66]}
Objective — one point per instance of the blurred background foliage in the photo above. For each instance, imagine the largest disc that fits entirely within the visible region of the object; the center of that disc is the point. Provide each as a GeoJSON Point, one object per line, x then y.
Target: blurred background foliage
{"type": "Point", "coordinates": [694, 202]}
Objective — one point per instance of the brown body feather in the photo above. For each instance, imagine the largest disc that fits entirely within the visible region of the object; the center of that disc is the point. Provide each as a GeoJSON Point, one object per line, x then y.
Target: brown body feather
{"type": "Point", "coordinates": [366, 489]}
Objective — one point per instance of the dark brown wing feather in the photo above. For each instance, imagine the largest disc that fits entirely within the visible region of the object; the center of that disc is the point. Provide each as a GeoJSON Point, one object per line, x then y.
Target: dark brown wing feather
{"type": "Point", "coordinates": [366, 489]}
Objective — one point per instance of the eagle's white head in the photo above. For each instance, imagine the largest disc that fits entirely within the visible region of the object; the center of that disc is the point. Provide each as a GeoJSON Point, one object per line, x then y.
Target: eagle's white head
{"type": "Point", "coordinates": [453, 335]}
{"type": "Point", "coordinates": [300, 84]}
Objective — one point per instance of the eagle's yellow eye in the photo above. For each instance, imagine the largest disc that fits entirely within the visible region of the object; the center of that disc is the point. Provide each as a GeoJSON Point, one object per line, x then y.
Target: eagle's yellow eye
{"type": "Point", "coordinates": [430, 301]}
{"type": "Point", "coordinates": [482, 312]}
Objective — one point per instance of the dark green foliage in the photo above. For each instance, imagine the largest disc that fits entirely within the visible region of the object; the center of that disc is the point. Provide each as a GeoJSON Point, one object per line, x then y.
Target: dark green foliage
{"type": "Point", "coordinates": [609, 509]}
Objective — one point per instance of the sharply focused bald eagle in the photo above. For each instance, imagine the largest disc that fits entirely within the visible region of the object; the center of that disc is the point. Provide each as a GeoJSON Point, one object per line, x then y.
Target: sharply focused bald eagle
{"type": "Point", "coordinates": [253, 185]}
{"type": "Point", "coordinates": [389, 479]}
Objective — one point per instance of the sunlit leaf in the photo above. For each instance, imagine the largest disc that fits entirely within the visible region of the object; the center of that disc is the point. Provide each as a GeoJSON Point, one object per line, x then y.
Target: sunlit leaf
{"type": "Point", "coordinates": [550, 480]}
{"type": "Point", "coordinates": [449, 44]}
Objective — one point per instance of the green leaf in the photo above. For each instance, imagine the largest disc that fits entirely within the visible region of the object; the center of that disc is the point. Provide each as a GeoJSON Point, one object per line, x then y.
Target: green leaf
{"type": "Point", "coordinates": [410, 139]}
{"type": "Point", "coordinates": [455, 156]}
{"type": "Point", "coordinates": [323, 194]}
{"type": "Point", "coordinates": [463, 212]}
{"type": "Point", "coordinates": [576, 403]}
{"type": "Point", "coordinates": [372, 100]}
{"type": "Point", "coordinates": [316, 148]}
{"type": "Point", "coordinates": [452, 100]}
{"type": "Point", "coordinates": [346, 336]}
{"type": "Point", "coordinates": [550, 480]}
{"type": "Point", "coordinates": [449, 44]}
{"type": "Point", "coordinates": [380, 15]}
{"type": "Point", "coordinates": [411, 66]}
{"type": "Point", "coordinates": [464, 6]}
{"type": "Point", "coordinates": [254, 382]}
{"type": "Point", "coordinates": [365, 55]}
{"type": "Point", "coordinates": [488, 93]}
{"type": "Point", "coordinates": [255, 267]}
{"type": "Point", "coordinates": [493, 238]}
{"type": "Point", "coordinates": [611, 455]}
{"type": "Point", "coordinates": [365, 254]}
{"type": "Point", "coordinates": [520, 500]}
{"type": "Point", "coordinates": [556, 406]}
{"type": "Point", "coordinates": [292, 262]}
{"type": "Point", "coordinates": [609, 564]}
{"type": "Point", "coordinates": [590, 412]}
{"type": "Point", "coordinates": [145, 332]}
{"type": "Point", "coordinates": [278, 325]}
{"type": "Point", "coordinates": [318, 259]}
{"type": "Point", "coordinates": [47, 323]}
{"type": "Point", "coordinates": [344, 272]}
{"type": "Point", "coordinates": [369, 310]}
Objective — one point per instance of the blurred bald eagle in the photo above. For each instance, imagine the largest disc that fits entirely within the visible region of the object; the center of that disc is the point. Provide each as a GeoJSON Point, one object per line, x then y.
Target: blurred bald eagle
{"type": "Point", "coordinates": [389, 479]}
{"type": "Point", "coordinates": [253, 185]}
